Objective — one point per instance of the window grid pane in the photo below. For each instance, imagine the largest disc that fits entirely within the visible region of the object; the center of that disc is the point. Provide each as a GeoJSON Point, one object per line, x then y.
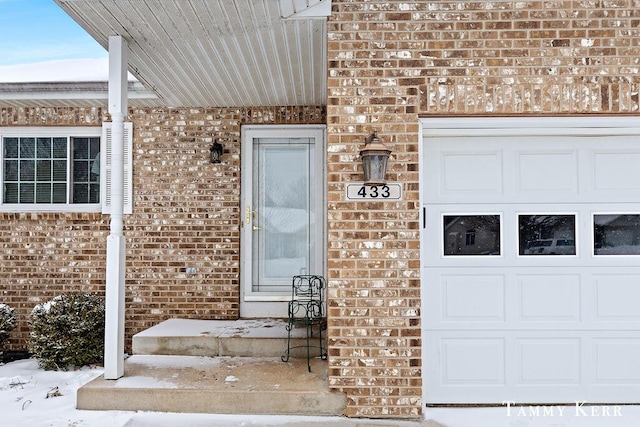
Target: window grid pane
{"type": "Point", "coordinates": [27, 192]}
{"type": "Point", "coordinates": [59, 193]}
{"type": "Point", "coordinates": [27, 148]}
{"type": "Point", "coordinates": [11, 148]}
{"type": "Point", "coordinates": [43, 192]}
{"type": "Point", "coordinates": [44, 148]}
{"type": "Point", "coordinates": [86, 170]}
{"type": "Point", "coordinates": [60, 148]}
{"type": "Point", "coordinates": [35, 170]}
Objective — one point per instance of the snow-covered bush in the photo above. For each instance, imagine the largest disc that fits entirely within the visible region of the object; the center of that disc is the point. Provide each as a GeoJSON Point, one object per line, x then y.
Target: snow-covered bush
{"type": "Point", "coordinates": [7, 323]}
{"type": "Point", "coordinates": [68, 331]}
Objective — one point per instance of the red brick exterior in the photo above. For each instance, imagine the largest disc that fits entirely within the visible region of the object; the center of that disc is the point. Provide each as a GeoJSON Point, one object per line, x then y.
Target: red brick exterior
{"type": "Point", "coordinates": [186, 214]}
{"type": "Point", "coordinates": [391, 62]}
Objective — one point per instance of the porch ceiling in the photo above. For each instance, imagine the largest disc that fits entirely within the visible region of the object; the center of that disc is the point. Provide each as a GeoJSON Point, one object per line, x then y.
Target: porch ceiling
{"type": "Point", "coordinates": [217, 53]}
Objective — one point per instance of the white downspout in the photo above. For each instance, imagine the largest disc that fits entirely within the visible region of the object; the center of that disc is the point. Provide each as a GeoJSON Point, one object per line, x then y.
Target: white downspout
{"type": "Point", "coordinates": [116, 243]}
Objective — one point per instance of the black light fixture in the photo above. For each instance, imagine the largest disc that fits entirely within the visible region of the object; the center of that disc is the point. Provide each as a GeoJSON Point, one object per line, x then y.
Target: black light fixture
{"type": "Point", "coordinates": [215, 152]}
{"type": "Point", "coordinates": [374, 160]}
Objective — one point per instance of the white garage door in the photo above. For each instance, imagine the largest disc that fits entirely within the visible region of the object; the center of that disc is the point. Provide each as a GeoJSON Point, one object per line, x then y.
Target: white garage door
{"type": "Point", "coordinates": [531, 260]}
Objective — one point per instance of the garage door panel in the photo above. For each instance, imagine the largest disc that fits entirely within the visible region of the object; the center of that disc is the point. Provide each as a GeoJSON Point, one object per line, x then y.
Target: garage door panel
{"type": "Point", "coordinates": [482, 173]}
{"type": "Point", "coordinates": [486, 367]}
{"type": "Point", "coordinates": [612, 173]}
{"type": "Point", "coordinates": [549, 297]}
{"type": "Point", "coordinates": [616, 360]}
{"type": "Point", "coordinates": [617, 297]}
{"type": "Point", "coordinates": [521, 298]}
{"type": "Point", "coordinates": [501, 170]}
{"type": "Point", "coordinates": [616, 170]}
{"type": "Point", "coordinates": [548, 361]}
{"type": "Point", "coordinates": [523, 377]}
{"type": "Point", "coordinates": [546, 170]}
{"type": "Point", "coordinates": [539, 367]}
{"type": "Point", "coordinates": [458, 299]}
{"type": "Point", "coordinates": [469, 297]}
{"type": "Point", "coordinates": [482, 165]}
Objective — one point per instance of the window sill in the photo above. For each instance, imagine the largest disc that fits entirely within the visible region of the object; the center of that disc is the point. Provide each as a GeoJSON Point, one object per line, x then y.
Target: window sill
{"type": "Point", "coordinates": [77, 208]}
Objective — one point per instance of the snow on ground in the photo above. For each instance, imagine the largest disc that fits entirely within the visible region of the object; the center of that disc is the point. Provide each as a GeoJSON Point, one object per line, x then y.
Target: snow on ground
{"type": "Point", "coordinates": [32, 397]}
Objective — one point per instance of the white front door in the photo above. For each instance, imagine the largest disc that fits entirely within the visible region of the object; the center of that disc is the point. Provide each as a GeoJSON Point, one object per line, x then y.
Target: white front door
{"type": "Point", "coordinates": [531, 260]}
{"type": "Point", "coordinates": [282, 214]}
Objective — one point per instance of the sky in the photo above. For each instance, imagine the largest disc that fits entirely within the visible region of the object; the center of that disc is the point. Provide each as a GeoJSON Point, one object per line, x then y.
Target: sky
{"type": "Point", "coordinates": [39, 30]}
{"type": "Point", "coordinates": [40, 42]}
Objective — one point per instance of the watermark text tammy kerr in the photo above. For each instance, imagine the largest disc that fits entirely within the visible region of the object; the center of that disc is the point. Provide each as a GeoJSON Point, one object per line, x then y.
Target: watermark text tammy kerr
{"type": "Point", "coordinates": [580, 409]}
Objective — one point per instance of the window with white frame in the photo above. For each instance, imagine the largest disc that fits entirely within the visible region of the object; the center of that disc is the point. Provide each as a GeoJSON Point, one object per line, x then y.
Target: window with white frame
{"type": "Point", "coordinates": [49, 170]}
{"type": "Point", "coordinates": [59, 169]}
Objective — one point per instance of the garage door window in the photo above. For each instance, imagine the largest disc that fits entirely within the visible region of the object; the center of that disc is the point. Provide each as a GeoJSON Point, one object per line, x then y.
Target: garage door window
{"type": "Point", "coordinates": [616, 234]}
{"type": "Point", "coordinates": [471, 235]}
{"type": "Point", "coordinates": [547, 234]}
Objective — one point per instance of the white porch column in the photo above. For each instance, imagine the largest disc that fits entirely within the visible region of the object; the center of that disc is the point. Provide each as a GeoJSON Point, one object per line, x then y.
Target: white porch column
{"type": "Point", "coordinates": [116, 244]}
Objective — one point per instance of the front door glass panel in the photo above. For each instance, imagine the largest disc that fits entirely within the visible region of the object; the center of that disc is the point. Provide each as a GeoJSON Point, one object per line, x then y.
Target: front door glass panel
{"type": "Point", "coordinates": [283, 236]}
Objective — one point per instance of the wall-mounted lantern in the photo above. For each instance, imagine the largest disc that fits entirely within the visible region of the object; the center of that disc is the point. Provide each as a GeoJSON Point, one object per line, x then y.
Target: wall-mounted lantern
{"type": "Point", "coordinates": [374, 160]}
{"type": "Point", "coordinates": [215, 152]}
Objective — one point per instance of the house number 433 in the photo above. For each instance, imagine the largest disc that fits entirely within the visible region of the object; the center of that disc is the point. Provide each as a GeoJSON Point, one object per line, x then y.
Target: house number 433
{"type": "Point", "coordinates": [374, 192]}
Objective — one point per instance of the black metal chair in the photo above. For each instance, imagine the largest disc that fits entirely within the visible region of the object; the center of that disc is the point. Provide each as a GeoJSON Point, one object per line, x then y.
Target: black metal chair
{"type": "Point", "coordinates": [306, 309]}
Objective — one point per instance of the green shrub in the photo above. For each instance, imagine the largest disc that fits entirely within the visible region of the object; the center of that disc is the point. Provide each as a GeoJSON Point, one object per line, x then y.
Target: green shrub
{"type": "Point", "coordinates": [68, 331]}
{"type": "Point", "coordinates": [7, 323]}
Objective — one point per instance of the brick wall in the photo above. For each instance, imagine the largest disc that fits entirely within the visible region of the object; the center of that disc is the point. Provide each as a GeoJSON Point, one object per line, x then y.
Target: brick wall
{"type": "Point", "coordinates": [391, 62]}
{"type": "Point", "coordinates": [186, 214]}
{"type": "Point", "coordinates": [45, 254]}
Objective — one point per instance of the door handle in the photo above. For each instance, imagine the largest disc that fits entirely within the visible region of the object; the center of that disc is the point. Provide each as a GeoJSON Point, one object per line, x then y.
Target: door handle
{"type": "Point", "coordinates": [248, 217]}
{"type": "Point", "coordinates": [253, 220]}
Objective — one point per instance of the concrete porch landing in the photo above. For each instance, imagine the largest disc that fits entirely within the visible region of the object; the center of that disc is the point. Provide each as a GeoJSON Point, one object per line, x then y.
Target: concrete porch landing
{"type": "Point", "coordinates": [222, 367]}
{"type": "Point", "coordinates": [243, 337]}
{"type": "Point", "coordinates": [221, 385]}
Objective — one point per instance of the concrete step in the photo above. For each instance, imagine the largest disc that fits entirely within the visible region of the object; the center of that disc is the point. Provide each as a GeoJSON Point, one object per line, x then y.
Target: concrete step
{"type": "Point", "coordinates": [244, 337]}
{"type": "Point", "coordinates": [222, 385]}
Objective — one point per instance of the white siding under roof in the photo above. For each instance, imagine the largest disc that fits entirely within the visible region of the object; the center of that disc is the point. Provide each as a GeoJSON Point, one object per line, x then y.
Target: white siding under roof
{"type": "Point", "coordinates": [215, 53]}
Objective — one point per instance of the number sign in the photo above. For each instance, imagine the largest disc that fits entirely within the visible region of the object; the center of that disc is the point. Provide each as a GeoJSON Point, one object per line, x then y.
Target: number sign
{"type": "Point", "coordinates": [374, 192]}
